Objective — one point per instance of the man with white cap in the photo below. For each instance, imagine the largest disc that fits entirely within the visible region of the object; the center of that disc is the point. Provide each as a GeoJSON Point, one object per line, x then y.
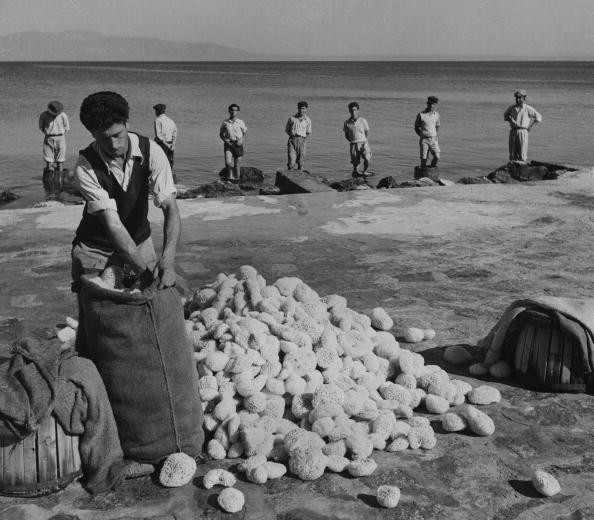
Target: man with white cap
{"type": "Point", "coordinates": [521, 118]}
{"type": "Point", "coordinates": [53, 122]}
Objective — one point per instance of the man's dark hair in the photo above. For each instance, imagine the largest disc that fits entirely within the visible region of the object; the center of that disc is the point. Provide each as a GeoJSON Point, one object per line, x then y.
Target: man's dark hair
{"type": "Point", "coordinates": [232, 105]}
{"type": "Point", "coordinates": [432, 99]}
{"type": "Point", "coordinates": [302, 104]}
{"type": "Point", "coordinates": [101, 110]}
{"type": "Point", "coordinates": [353, 104]}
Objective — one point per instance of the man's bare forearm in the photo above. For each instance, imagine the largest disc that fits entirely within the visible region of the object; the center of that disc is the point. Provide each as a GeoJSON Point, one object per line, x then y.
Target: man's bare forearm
{"type": "Point", "coordinates": [121, 241]}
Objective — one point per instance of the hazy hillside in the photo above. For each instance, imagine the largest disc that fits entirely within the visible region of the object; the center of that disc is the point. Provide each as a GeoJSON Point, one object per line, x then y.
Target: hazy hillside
{"type": "Point", "coordinates": [93, 46]}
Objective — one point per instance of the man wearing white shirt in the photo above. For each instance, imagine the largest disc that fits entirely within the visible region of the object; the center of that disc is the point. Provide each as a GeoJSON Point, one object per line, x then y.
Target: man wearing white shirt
{"type": "Point", "coordinates": [426, 127]}
{"type": "Point", "coordinates": [115, 174]}
{"type": "Point", "coordinates": [232, 133]}
{"type": "Point", "coordinates": [165, 132]}
{"type": "Point", "coordinates": [521, 118]}
{"type": "Point", "coordinates": [356, 131]}
{"type": "Point", "coordinates": [298, 127]}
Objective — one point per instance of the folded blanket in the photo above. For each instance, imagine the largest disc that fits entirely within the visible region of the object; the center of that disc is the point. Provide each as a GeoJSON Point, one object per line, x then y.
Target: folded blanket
{"type": "Point", "coordinates": [575, 315]}
{"type": "Point", "coordinates": [38, 379]}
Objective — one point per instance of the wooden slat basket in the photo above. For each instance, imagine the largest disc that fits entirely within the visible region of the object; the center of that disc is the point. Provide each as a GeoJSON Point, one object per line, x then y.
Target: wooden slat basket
{"type": "Point", "coordinates": [42, 463]}
{"type": "Point", "coordinates": [546, 357]}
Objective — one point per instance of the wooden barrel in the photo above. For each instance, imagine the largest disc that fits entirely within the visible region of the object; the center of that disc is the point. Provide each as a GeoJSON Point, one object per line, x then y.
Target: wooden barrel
{"type": "Point", "coordinates": [42, 463]}
{"type": "Point", "coordinates": [547, 356]}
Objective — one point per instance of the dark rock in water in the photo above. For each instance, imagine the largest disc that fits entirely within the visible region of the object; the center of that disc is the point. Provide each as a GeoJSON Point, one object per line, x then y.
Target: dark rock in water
{"type": "Point", "coordinates": [213, 190]}
{"type": "Point", "coordinates": [423, 182]}
{"type": "Point", "coordinates": [357, 183]}
{"type": "Point", "coordinates": [270, 190]}
{"type": "Point", "coordinates": [474, 180]}
{"type": "Point", "coordinates": [7, 196]}
{"type": "Point", "coordinates": [428, 171]}
{"type": "Point", "coordinates": [527, 172]}
{"type": "Point", "coordinates": [299, 181]}
{"type": "Point", "coordinates": [247, 174]}
{"type": "Point", "coordinates": [391, 182]}
{"type": "Point", "coordinates": [387, 182]}
{"type": "Point", "coordinates": [501, 177]}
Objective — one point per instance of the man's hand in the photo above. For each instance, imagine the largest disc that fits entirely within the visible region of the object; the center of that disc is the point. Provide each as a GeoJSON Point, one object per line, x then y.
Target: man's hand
{"type": "Point", "coordinates": [166, 274]}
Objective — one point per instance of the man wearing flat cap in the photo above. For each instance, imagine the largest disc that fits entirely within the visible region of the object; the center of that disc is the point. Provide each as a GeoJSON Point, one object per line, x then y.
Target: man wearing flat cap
{"type": "Point", "coordinates": [54, 124]}
{"type": "Point", "coordinates": [521, 118]}
{"type": "Point", "coordinates": [165, 132]}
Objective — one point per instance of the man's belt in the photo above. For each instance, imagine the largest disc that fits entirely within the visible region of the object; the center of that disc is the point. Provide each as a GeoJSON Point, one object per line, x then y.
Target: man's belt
{"type": "Point", "coordinates": [54, 135]}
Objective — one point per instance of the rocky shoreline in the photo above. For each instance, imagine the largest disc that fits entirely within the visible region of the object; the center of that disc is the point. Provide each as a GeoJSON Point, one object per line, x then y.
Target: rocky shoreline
{"type": "Point", "coordinates": [60, 187]}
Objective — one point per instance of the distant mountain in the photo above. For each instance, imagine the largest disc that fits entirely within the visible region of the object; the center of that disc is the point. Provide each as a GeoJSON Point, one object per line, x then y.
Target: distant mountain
{"type": "Point", "coordinates": [93, 46]}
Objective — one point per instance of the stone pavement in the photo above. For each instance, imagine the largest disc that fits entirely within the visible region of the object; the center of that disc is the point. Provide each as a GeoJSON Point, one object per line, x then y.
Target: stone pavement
{"type": "Point", "coordinates": [450, 258]}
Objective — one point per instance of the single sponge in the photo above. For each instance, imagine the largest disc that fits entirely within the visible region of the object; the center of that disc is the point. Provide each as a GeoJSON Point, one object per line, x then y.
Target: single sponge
{"type": "Point", "coordinates": [388, 496]}
{"type": "Point", "coordinates": [500, 369]}
{"type": "Point", "coordinates": [413, 335]}
{"type": "Point", "coordinates": [231, 500]}
{"type": "Point", "coordinates": [545, 483]}
{"type": "Point", "coordinates": [380, 319]}
{"type": "Point", "coordinates": [178, 469]}
{"type": "Point", "coordinates": [484, 394]}
{"type": "Point", "coordinates": [218, 477]}
{"type": "Point", "coordinates": [479, 422]}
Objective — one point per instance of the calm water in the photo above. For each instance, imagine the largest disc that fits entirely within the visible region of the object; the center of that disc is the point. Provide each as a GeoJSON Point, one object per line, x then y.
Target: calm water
{"type": "Point", "coordinates": [473, 96]}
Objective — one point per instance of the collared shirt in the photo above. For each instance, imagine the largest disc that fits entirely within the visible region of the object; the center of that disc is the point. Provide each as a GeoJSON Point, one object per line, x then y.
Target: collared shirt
{"type": "Point", "coordinates": [233, 129]}
{"type": "Point", "coordinates": [356, 129]}
{"type": "Point", "coordinates": [427, 123]}
{"type": "Point", "coordinates": [298, 126]}
{"type": "Point", "coordinates": [160, 181]}
{"type": "Point", "coordinates": [53, 125]}
{"type": "Point", "coordinates": [520, 117]}
{"type": "Point", "coordinates": [166, 130]}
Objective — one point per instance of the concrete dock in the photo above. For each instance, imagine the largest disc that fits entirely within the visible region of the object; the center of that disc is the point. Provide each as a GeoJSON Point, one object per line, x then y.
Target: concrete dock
{"type": "Point", "coordinates": [449, 258]}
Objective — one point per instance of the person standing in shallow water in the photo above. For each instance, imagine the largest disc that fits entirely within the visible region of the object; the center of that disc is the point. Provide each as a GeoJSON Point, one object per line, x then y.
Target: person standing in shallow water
{"type": "Point", "coordinates": [54, 124]}
{"type": "Point", "coordinates": [298, 127]}
{"type": "Point", "coordinates": [232, 133]}
{"type": "Point", "coordinates": [426, 127]}
{"type": "Point", "coordinates": [521, 118]}
{"type": "Point", "coordinates": [356, 130]}
{"type": "Point", "coordinates": [165, 132]}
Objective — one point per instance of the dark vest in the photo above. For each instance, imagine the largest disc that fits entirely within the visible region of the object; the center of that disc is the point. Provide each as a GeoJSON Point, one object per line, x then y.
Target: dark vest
{"type": "Point", "coordinates": [132, 204]}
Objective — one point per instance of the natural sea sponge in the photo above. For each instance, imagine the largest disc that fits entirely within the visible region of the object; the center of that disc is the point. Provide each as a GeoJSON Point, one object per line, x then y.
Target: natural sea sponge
{"type": "Point", "coordinates": [545, 483]}
{"type": "Point", "coordinates": [177, 470]}
{"type": "Point", "coordinates": [428, 334]}
{"type": "Point", "coordinates": [218, 477]}
{"type": "Point", "coordinates": [413, 335]}
{"type": "Point", "coordinates": [231, 500]}
{"type": "Point", "coordinates": [380, 319]}
{"type": "Point", "coordinates": [436, 404]}
{"type": "Point", "coordinates": [484, 394]}
{"type": "Point", "coordinates": [453, 422]}
{"type": "Point", "coordinates": [479, 422]}
{"type": "Point", "coordinates": [362, 467]}
{"type": "Point", "coordinates": [388, 496]}
{"type": "Point", "coordinates": [337, 463]}
{"type": "Point", "coordinates": [307, 463]}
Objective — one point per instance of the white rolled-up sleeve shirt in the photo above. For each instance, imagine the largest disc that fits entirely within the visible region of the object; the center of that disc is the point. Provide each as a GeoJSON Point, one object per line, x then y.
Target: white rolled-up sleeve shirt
{"type": "Point", "coordinates": [161, 183]}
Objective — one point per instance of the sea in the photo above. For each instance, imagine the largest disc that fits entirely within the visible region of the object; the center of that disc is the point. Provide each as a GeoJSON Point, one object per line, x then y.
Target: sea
{"type": "Point", "coordinates": [472, 99]}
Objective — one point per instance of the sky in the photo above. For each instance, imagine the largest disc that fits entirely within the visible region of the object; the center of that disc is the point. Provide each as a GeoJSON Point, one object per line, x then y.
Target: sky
{"type": "Point", "coordinates": [423, 28]}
